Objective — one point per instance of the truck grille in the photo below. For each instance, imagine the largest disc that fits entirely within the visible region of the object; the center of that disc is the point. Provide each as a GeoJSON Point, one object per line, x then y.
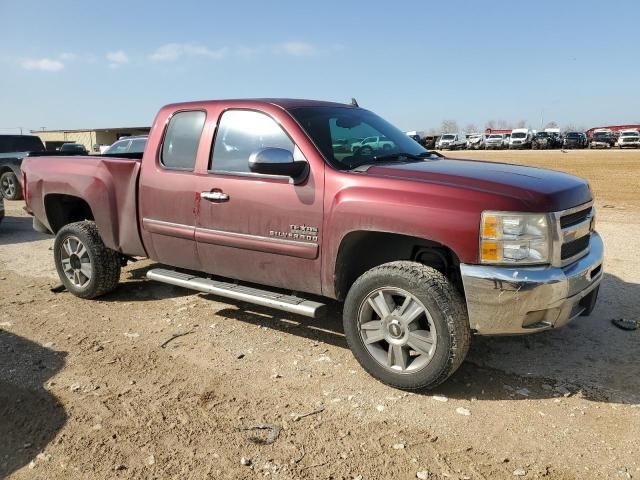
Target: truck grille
{"type": "Point", "coordinates": [575, 218]}
{"type": "Point", "coordinates": [575, 229]}
{"type": "Point", "coordinates": [573, 248]}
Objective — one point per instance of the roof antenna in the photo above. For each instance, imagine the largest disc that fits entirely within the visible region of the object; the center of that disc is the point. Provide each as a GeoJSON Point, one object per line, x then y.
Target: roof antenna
{"type": "Point", "coordinates": [354, 102]}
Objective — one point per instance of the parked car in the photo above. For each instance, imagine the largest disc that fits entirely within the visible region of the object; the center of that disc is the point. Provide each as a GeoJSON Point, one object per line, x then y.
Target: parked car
{"type": "Point", "coordinates": [127, 145]}
{"type": "Point", "coordinates": [13, 148]}
{"type": "Point", "coordinates": [73, 149]}
{"type": "Point", "coordinates": [575, 140]}
{"type": "Point", "coordinates": [495, 141]}
{"type": "Point", "coordinates": [506, 140]}
{"type": "Point", "coordinates": [476, 141]}
{"type": "Point", "coordinates": [629, 139]}
{"type": "Point", "coordinates": [545, 141]}
{"type": "Point", "coordinates": [603, 138]}
{"type": "Point", "coordinates": [452, 141]}
{"type": "Point", "coordinates": [252, 191]}
{"type": "Point", "coordinates": [373, 144]}
{"type": "Point", "coordinates": [520, 138]}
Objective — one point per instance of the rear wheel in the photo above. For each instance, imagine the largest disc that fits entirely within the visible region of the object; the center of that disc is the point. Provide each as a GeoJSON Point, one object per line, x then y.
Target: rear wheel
{"type": "Point", "coordinates": [407, 325]}
{"type": "Point", "coordinates": [10, 186]}
{"type": "Point", "coordinates": [86, 267]}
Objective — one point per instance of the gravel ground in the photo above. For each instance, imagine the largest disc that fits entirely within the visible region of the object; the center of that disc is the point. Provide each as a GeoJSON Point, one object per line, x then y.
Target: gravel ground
{"type": "Point", "coordinates": [87, 391]}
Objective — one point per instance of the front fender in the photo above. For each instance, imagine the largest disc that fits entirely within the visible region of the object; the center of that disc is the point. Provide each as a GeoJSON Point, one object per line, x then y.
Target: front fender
{"type": "Point", "coordinates": [440, 215]}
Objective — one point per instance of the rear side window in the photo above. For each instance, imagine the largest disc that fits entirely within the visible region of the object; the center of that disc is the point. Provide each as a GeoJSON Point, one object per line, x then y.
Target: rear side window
{"type": "Point", "coordinates": [241, 133]}
{"type": "Point", "coordinates": [121, 146]}
{"type": "Point", "coordinates": [137, 145]}
{"type": "Point", "coordinates": [181, 140]}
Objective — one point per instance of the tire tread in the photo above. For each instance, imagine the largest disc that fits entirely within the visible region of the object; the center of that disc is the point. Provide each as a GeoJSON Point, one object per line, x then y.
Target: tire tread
{"type": "Point", "coordinates": [449, 301]}
{"type": "Point", "coordinates": [107, 262]}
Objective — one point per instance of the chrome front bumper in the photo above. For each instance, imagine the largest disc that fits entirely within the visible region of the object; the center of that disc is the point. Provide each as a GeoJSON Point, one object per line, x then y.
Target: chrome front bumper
{"type": "Point", "coordinates": [511, 301]}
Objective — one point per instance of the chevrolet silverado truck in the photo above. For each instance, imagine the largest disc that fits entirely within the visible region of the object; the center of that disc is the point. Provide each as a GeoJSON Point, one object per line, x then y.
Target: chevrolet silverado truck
{"type": "Point", "coordinates": [250, 200]}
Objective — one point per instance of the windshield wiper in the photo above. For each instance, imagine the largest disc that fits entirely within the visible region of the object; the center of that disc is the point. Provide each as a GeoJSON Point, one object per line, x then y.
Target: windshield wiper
{"type": "Point", "coordinates": [401, 156]}
{"type": "Point", "coordinates": [392, 157]}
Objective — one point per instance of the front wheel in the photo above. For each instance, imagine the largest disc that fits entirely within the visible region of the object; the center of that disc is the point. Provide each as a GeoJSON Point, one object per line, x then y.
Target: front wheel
{"type": "Point", "coordinates": [86, 267]}
{"type": "Point", "coordinates": [10, 186]}
{"type": "Point", "coordinates": [407, 325]}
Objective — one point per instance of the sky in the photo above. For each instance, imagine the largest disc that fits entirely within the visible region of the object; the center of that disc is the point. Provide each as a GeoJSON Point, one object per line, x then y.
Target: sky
{"type": "Point", "coordinates": [83, 64]}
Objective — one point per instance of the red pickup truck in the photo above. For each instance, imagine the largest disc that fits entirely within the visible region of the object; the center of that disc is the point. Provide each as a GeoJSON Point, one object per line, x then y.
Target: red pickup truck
{"type": "Point", "coordinates": [422, 251]}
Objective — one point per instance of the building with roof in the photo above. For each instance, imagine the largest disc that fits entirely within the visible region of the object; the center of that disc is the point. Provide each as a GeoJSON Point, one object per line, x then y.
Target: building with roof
{"type": "Point", "coordinates": [92, 139]}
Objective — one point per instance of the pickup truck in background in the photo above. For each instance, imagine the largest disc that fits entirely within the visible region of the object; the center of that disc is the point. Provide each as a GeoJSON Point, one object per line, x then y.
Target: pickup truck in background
{"type": "Point", "coordinates": [629, 139]}
{"type": "Point", "coordinates": [371, 144]}
{"type": "Point", "coordinates": [495, 141]}
{"type": "Point", "coordinates": [422, 251]}
{"type": "Point", "coordinates": [603, 138]}
{"type": "Point", "coordinates": [13, 149]}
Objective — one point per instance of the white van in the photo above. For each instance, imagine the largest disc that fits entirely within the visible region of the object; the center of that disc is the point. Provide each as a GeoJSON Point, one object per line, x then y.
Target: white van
{"type": "Point", "coordinates": [520, 138]}
{"type": "Point", "coordinates": [452, 141]}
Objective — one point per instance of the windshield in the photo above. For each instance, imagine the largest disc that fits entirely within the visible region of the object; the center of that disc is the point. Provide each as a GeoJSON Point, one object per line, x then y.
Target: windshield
{"type": "Point", "coordinates": [573, 135]}
{"type": "Point", "coordinates": [601, 135]}
{"type": "Point", "coordinates": [518, 135]}
{"type": "Point", "coordinates": [630, 134]}
{"type": "Point", "coordinates": [448, 137]}
{"type": "Point", "coordinates": [542, 134]}
{"type": "Point", "coordinates": [495, 136]}
{"type": "Point", "coordinates": [327, 125]}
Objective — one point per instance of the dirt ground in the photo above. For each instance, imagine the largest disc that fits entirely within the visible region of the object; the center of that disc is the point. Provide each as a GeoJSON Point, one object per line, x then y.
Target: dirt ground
{"type": "Point", "coordinates": [87, 389]}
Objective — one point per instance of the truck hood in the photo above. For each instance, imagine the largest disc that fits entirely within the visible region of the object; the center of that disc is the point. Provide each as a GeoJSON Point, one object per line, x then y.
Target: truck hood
{"type": "Point", "coordinates": [538, 189]}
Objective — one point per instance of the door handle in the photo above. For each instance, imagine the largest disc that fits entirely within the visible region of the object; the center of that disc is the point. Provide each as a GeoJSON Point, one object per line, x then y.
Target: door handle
{"type": "Point", "coordinates": [215, 196]}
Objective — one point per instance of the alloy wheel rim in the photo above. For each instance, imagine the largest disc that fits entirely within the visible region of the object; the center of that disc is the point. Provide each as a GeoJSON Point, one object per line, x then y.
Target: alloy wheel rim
{"type": "Point", "coordinates": [8, 186]}
{"type": "Point", "coordinates": [397, 330]}
{"type": "Point", "coordinates": [75, 261]}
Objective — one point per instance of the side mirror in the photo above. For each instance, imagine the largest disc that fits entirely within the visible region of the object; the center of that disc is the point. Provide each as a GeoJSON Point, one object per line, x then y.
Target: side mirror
{"type": "Point", "coordinates": [276, 161]}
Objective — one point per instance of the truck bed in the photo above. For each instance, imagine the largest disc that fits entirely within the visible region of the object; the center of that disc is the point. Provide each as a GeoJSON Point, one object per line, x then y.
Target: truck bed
{"type": "Point", "coordinates": [107, 184]}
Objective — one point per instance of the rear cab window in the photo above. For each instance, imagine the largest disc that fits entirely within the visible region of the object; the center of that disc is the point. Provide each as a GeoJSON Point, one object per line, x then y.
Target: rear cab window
{"type": "Point", "coordinates": [181, 140]}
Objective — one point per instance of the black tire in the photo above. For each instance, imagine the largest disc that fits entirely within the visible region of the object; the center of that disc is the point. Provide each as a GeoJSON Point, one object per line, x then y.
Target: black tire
{"type": "Point", "coordinates": [105, 264]}
{"type": "Point", "coordinates": [11, 189]}
{"type": "Point", "coordinates": [445, 306]}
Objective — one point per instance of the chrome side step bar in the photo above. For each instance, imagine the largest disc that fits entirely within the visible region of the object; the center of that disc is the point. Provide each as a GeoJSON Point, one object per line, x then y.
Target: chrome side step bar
{"type": "Point", "coordinates": [265, 298]}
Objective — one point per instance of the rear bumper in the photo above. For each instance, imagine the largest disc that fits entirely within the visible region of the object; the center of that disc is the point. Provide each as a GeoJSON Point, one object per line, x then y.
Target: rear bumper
{"type": "Point", "coordinates": [512, 301]}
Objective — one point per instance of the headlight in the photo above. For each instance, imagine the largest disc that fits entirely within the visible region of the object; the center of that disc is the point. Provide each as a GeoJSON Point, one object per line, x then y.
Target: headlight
{"type": "Point", "coordinates": [515, 238]}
